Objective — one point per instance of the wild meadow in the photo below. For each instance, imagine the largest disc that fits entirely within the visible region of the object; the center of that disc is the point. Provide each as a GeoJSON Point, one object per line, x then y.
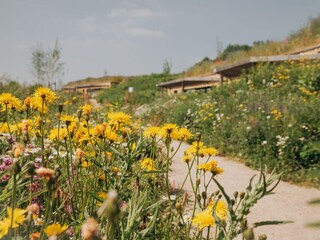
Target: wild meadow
{"type": "Point", "coordinates": [269, 115]}
{"type": "Point", "coordinates": [69, 170]}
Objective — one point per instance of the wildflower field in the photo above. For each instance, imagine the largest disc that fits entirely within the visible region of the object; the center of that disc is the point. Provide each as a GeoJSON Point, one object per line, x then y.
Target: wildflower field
{"type": "Point", "coordinates": [270, 115]}
{"type": "Point", "coordinates": [70, 171]}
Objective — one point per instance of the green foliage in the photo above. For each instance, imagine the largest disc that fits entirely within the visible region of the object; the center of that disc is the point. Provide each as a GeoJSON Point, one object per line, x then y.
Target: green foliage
{"type": "Point", "coordinates": [144, 90]}
{"type": "Point", "coordinates": [232, 48]}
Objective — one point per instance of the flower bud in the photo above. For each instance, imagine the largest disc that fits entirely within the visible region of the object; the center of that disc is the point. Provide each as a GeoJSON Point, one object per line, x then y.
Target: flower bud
{"type": "Point", "coordinates": [248, 234]}
{"type": "Point", "coordinates": [31, 168]}
{"type": "Point", "coordinates": [204, 195]}
{"type": "Point", "coordinates": [79, 114]}
{"type": "Point", "coordinates": [17, 150]}
{"type": "Point", "coordinates": [262, 237]}
{"type": "Point", "coordinates": [198, 181]}
{"type": "Point", "coordinates": [242, 194]}
{"type": "Point", "coordinates": [60, 108]}
{"type": "Point", "coordinates": [235, 194]}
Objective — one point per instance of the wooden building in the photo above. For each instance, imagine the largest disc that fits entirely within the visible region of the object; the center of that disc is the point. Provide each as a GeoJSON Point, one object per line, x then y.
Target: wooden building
{"type": "Point", "coordinates": [203, 83]}
{"type": "Point", "coordinates": [87, 88]}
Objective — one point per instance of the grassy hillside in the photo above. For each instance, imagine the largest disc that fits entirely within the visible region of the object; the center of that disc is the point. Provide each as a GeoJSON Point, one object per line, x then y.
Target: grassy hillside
{"type": "Point", "coordinates": [98, 80]}
{"type": "Point", "coordinates": [144, 90]}
{"type": "Point", "coordinates": [305, 37]}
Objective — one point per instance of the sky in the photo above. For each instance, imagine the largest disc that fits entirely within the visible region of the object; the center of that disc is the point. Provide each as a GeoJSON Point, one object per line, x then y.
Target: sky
{"type": "Point", "coordinates": [133, 37]}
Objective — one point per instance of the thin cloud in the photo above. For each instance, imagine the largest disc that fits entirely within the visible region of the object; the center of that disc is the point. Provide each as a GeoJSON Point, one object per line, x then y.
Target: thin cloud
{"type": "Point", "coordinates": [140, 31]}
{"type": "Point", "coordinates": [86, 24]}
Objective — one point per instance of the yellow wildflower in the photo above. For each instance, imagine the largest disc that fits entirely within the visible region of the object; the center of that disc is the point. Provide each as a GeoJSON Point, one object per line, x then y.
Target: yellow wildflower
{"type": "Point", "coordinates": [55, 229]}
{"type": "Point", "coordinates": [117, 118]}
{"type": "Point", "coordinates": [168, 130]}
{"type": "Point", "coordinates": [86, 109]}
{"type": "Point", "coordinates": [147, 164]}
{"type": "Point", "coordinates": [221, 209]}
{"type": "Point", "coordinates": [211, 166]}
{"type": "Point", "coordinates": [186, 158]}
{"type": "Point", "coordinates": [68, 119]}
{"type": "Point", "coordinates": [7, 100]}
{"type": "Point", "coordinates": [45, 95]}
{"type": "Point", "coordinates": [18, 216]}
{"type": "Point", "coordinates": [182, 134]}
{"type": "Point", "coordinates": [36, 104]}
{"type": "Point", "coordinates": [203, 219]}
{"type": "Point", "coordinates": [277, 114]}
{"type": "Point", "coordinates": [151, 132]}
{"type": "Point", "coordinates": [206, 219]}
{"type": "Point", "coordinates": [211, 151]}
{"type": "Point", "coordinates": [63, 134]}
{"type": "Point", "coordinates": [4, 227]}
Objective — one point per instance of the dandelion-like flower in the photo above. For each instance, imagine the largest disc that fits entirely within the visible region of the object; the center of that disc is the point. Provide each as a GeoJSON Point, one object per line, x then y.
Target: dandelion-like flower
{"type": "Point", "coordinates": [151, 132]}
{"type": "Point", "coordinates": [68, 119]}
{"type": "Point", "coordinates": [4, 227]}
{"type": "Point", "coordinates": [206, 219]}
{"type": "Point", "coordinates": [203, 219]}
{"type": "Point", "coordinates": [147, 164]}
{"type": "Point", "coordinates": [45, 95]}
{"type": "Point", "coordinates": [117, 118]}
{"type": "Point", "coordinates": [168, 130]}
{"type": "Point", "coordinates": [17, 216]}
{"type": "Point", "coordinates": [86, 109]}
{"type": "Point", "coordinates": [211, 166]}
{"type": "Point", "coordinates": [182, 134]}
{"type": "Point", "coordinates": [55, 229]}
{"type": "Point", "coordinates": [7, 100]}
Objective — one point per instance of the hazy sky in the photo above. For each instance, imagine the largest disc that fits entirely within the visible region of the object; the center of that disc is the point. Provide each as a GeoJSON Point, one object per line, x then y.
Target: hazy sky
{"type": "Point", "coordinates": [127, 37]}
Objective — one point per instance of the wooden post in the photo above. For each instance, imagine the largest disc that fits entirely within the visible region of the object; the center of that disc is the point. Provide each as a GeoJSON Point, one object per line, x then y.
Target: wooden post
{"type": "Point", "coordinates": [221, 79]}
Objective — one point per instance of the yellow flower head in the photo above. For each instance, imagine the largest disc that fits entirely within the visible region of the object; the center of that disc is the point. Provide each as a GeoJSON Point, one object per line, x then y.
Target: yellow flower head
{"type": "Point", "coordinates": [45, 95]}
{"type": "Point", "coordinates": [277, 114]}
{"type": "Point", "coordinates": [182, 134]}
{"type": "Point", "coordinates": [147, 164]}
{"type": "Point", "coordinates": [86, 109]}
{"type": "Point", "coordinates": [211, 151]}
{"type": "Point", "coordinates": [111, 135]}
{"type": "Point", "coordinates": [206, 219]}
{"type": "Point", "coordinates": [211, 166]}
{"type": "Point", "coordinates": [195, 148]}
{"type": "Point", "coordinates": [10, 102]}
{"type": "Point", "coordinates": [168, 130]}
{"type": "Point", "coordinates": [118, 118]}
{"type": "Point", "coordinates": [18, 216]}
{"type": "Point", "coordinates": [63, 134]}
{"type": "Point", "coordinates": [151, 132]}
{"type": "Point", "coordinates": [36, 104]}
{"type": "Point", "coordinates": [187, 158]}
{"type": "Point", "coordinates": [203, 219]}
{"type": "Point", "coordinates": [221, 209]}
{"type": "Point", "coordinates": [68, 119]}
{"type": "Point", "coordinates": [55, 229]}
{"type": "Point", "coordinates": [4, 227]}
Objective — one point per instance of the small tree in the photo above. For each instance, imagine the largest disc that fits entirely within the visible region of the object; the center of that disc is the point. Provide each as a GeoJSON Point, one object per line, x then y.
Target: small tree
{"type": "Point", "coordinates": [38, 63]}
{"type": "Point", "coordinates": [54, 68]}
{"type": "Point", "coordinates": [46, 66]}
{"type": "Point", "coordinates": [166, 67]}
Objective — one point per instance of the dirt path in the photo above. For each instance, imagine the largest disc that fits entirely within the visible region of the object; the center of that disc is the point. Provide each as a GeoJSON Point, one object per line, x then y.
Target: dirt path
{"type": "Point", "coordinates": [289, 203]}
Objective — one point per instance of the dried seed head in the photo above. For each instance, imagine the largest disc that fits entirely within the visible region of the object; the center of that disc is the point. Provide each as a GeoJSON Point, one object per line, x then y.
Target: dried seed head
{"type": "Point", "coordinates": [89, 229]}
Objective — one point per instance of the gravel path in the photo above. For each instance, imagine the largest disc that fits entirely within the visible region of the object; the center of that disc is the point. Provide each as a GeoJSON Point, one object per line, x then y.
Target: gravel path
{"type": "Point", "coordinates": [289, 203]}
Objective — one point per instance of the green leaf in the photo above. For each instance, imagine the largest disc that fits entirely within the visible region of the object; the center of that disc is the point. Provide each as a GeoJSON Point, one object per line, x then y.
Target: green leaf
{"type": "Point", "coordinates": [316, 201]}
{"type": "Point", "coordinates": [264, 223]}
